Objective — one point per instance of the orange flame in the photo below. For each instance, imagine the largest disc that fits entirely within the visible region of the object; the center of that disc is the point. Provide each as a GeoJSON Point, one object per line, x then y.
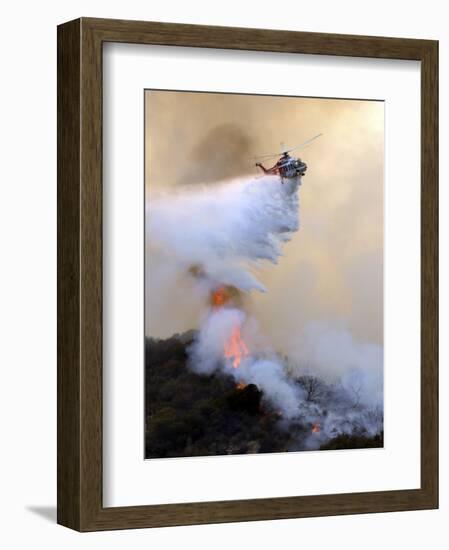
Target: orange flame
{"type": "Point", "coordinates": [235, 348]}
{"type": "Point", "coordinates": [219, 297]}
{"type": "Point", "coordinates": [241, 386]}
{"type": "Point", "coordinates": [316, 428]}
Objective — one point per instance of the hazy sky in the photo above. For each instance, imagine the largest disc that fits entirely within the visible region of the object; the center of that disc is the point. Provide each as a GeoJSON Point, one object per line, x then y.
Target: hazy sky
{"type": "Point", "coordinates": [332, 270]}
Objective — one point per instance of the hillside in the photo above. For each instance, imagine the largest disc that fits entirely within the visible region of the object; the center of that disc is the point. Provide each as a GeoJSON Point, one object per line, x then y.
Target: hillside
{"type": "Point", "coordinates": [188, 414]}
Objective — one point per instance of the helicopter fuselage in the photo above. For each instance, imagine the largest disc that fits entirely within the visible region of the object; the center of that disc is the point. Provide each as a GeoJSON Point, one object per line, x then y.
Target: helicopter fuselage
{"type": "Point", "coordinates": [286, 167]}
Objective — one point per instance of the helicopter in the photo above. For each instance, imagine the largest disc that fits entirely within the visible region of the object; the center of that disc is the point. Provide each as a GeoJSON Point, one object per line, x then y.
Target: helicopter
{"type": "Point", "coordinates": [287, 167]}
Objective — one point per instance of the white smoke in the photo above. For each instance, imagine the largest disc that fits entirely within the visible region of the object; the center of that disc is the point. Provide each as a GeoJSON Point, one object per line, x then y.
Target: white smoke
{"type": "Point", "coordinates": [333, 354]}
{"type": "Point", "coordinates": [269, 376]}
{"type": "Point", "coordinates": [262, 368]}
{"type": "Point", "coordinates": [206, 354]}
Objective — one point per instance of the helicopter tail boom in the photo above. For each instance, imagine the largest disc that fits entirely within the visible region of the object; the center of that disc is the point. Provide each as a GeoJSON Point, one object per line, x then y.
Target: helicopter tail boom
{"type": "Point", "coordinates": [266, 170]}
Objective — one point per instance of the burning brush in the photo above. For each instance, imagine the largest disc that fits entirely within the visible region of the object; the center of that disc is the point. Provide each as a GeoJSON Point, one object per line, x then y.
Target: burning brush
{"type": "Point", "coordinates": [235, 348]}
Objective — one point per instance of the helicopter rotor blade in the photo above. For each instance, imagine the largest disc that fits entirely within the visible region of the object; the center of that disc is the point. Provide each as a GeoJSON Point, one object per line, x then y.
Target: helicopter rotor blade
{"type": "Point", "coordinates": [304, 143]}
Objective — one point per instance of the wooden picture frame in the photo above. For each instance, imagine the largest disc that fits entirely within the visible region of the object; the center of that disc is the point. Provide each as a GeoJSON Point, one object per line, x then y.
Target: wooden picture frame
{"type": "Point", "coordinates": [80, 504]}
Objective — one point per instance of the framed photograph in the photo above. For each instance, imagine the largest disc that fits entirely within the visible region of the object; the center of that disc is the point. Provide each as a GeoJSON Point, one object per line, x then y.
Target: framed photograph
{"type": "Point", "coordinates": [247, 274]}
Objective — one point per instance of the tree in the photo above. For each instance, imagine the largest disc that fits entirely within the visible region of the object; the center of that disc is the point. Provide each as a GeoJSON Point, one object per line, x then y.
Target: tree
{"type": "Point", "coordinates": [313, 387]}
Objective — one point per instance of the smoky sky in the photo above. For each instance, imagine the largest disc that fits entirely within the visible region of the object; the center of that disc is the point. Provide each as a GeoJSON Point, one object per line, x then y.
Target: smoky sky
{"type": "Point", "coordinates": [222, 153]}
{"type": "Point", "coordinates": [332, 270]}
